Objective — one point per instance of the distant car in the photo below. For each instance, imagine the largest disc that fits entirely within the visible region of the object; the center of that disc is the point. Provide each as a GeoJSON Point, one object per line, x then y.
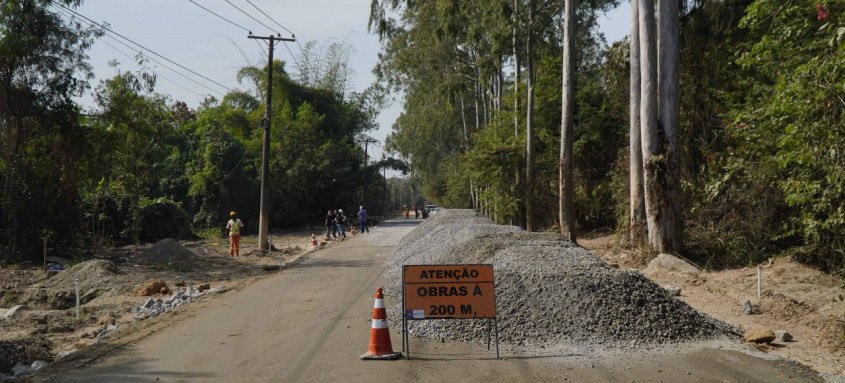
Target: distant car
{"type": "Point", "coordinates": [431, 209]}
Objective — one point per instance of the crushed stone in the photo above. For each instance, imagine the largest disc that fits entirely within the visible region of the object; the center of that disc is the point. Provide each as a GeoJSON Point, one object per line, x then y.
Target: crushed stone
{"type": "Point", "coordinates": [549, 291]}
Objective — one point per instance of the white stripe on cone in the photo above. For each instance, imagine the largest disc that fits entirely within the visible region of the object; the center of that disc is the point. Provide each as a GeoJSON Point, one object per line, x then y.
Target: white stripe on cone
{"type": "Point", "coordinates": [379, 303]}
{"type": "Point", "coordinates": [379, 324]}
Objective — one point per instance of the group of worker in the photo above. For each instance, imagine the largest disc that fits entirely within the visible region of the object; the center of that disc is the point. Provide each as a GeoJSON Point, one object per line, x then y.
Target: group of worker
{"type": "Point", "coordinates": [417, 212]}
{"type": "Point", "coordinates": [335, 222]}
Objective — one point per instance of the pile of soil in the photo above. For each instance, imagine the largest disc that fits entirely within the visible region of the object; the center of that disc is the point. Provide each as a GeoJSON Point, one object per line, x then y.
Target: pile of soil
{"type": "Point", "coordinates": [548, 290]}
{"type": "Point", "coordinates": [95, 277]}
{"type": "Point", "coordinates": [167, 251]}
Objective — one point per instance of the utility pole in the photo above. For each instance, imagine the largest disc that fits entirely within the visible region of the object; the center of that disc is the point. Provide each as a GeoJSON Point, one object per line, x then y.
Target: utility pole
{"type": "Point", "coordinates": [367, 141]}
{"type": "Point", "coordinates": [264, 215]}
{"type": "Point", "coordinates": [384, 193]}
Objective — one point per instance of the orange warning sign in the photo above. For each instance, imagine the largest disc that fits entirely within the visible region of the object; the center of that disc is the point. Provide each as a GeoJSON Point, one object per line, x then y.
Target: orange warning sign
{"type": "Point", "coordinates": [448, 291]}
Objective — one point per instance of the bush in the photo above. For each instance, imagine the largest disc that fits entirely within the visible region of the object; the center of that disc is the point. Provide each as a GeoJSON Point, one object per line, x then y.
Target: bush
{"type": "Point", "coordinates": [162, 218]}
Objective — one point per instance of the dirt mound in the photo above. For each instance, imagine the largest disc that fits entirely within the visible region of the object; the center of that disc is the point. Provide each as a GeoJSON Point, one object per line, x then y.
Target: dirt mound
{"type": "Point", "coordinates": [95, 272]}
{"type": "Point", "coordinates": [167, 251]}
{"type": "Point", "coordinates": [565, 293]}
{"type": "Point", "coordinates": [95, 277]}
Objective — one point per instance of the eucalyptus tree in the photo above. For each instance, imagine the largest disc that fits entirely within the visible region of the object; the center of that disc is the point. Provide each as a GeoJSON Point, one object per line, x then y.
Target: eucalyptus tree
{"type": "Point", "coordinates": [648, 115]}
{"type": "Point", "coordinates": [659, 123]}
{"type": "Point", "coordinates": [565, 184]}
{"type": "Point", "coordinates": [636, 194]}
{"type": "Point", "coordinates": [668, 48]}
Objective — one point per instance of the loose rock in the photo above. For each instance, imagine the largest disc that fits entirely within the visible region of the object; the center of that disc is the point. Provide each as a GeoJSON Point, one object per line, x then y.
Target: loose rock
{"type": "Point", "coordinates": [783, 335]}
{"type": "Point", "coordinates": [759, 335]}
{"type": "Point", "coordinates": [151, 288]}
{"type": "Point", "coordinates": [15, 310]}
{"type": "Point", "coordinates": [670, 262]}
{"type": "Point", "coordinates": [674, 291]}
{"type": "Point", "coordinates": [748, 308]}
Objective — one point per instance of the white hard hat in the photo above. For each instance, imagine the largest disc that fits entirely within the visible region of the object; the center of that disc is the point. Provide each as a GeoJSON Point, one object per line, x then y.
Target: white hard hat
{"type": "Point", "coordinates": [340, 210]}
{"type": "Point", "coordinates": [360, 207]}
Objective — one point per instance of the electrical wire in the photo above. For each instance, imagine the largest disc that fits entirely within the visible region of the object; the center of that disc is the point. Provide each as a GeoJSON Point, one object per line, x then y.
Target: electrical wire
{"type": "Point", "coordinates": [250, 16]}
{"type": "Point", "coordinates": [293, 35]}
{"type": "Point", "coordinates": [261, 46]}
{"type": "Point", "coordinates": [156, 73]}
{"type": "Point", "coordinates": [271, 19]}
{"type": "Point", "coordinates": [225, 19]}
{"type": "Point", "coordinates": [152, 59]}
{"type": "Point", "coordinates": [145, 48]}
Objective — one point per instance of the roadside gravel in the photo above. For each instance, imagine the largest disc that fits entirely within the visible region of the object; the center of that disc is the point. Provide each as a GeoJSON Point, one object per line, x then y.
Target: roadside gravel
{"type": "Point", "coordinates": [549, 292]}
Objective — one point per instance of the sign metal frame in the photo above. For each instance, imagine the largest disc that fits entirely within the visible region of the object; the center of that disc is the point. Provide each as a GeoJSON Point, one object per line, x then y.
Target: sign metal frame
{"type": "Point", "coordinates": [492, 320]}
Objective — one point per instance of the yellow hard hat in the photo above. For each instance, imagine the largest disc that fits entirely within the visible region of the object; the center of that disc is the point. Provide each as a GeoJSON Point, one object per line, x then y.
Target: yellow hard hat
{"type": "Point", "coordinates": [232, 214]}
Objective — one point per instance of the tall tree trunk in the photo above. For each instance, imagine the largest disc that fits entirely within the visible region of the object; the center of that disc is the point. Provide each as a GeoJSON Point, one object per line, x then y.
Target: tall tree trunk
{"type": "Point", "coordinates": [669, 52]}
{"type": "Point", "coordinates": [652, 160]}
{"type": "Point", "coordinates": [500, 84]}
{"type": "Point", "coordinates": [529, 125]}
{"type": "Point", "coordinates": [483, 98]}
{"type": "Point", "coordinates": [516, 75]}
{"type": "Point", "coordinates": [466, 145]}
{"type": "Point", "coordinates": [636, 194]}
{"type": "Point", "coordinates": [516, 79]}
{"type": "Point", "coordinates": [565, 213]}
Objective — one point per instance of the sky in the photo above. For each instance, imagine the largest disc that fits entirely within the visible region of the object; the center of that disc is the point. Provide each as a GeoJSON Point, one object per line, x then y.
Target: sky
{"type": "Point", "coordinates": [188, 35]}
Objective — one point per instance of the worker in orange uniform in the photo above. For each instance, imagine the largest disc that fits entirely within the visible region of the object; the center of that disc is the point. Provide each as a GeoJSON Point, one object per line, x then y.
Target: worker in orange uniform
{"type": "Point", "coordinates": [234, 226]}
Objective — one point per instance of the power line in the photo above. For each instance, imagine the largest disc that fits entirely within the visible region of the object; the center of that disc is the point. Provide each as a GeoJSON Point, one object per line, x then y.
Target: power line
{"type": "Point", "coordinates": [145, 48]}
{"type": "Point", "coordinates": [165, 66]}
{"type": "Point", "coordinates": [250, 16]}
{"type": "Point", "coordinates": [271, 19]}
{"type": "Point", "coordinates": [153, 59]}
{"type": "Point", "coordinates": [281, 26]}
{"type": "Point", "coordinates": [261, 46]}
{"type": "Point", "coordinates": [225, 19]}
{"type": "Point", "coordinates": [156, 73]}
{"type": "Point", "coordinates": [291, 53]}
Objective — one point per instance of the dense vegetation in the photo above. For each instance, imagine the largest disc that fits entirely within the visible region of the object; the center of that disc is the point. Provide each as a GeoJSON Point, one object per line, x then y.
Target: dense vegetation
{"type": "Point", "coordinates": [141, 166]}
{"type": "Point", "coordinates": [762, 168]}
{"type": "Point", "coordinates": [760, 155]}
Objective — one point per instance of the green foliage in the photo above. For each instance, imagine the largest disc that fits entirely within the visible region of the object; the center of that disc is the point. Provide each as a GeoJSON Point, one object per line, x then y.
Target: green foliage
{"type": "Point", "coordinates": [789, 129]}
{"type": "Point", "coordinates": [144, 167]}
{"type": "Point", "coordinates": [162, 218]}
{"type": "Point", "coordinates": [42, 67]}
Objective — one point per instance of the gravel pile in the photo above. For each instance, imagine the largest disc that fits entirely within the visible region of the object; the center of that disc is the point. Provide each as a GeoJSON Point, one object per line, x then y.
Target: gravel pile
{"type": "Point", "coordinates": [548, 291]}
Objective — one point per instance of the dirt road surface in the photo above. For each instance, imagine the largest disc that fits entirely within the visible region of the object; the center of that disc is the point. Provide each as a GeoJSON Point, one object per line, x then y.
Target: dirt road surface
{"type": "Point", "coordinates": [310, 323]}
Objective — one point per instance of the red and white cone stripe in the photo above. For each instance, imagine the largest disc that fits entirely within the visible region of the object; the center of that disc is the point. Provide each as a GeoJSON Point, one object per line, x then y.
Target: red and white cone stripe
{"type": "Point", "coordinates": [380, 347]}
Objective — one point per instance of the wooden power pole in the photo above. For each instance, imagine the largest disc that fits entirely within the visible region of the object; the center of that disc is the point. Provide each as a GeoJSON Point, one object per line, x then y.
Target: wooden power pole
{"type": "Point", "coordinates": [367, 141]}
{"type": "Point", "coordinates": [264, 215]}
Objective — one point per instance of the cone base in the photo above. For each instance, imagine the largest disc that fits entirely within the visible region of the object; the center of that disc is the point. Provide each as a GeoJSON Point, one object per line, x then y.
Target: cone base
{"type": "Point", "coordinates": [391, 356]}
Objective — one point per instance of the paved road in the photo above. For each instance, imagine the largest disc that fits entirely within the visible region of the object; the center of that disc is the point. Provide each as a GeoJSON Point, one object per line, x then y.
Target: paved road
{"type": "Point", "coordinates": [311, 322]}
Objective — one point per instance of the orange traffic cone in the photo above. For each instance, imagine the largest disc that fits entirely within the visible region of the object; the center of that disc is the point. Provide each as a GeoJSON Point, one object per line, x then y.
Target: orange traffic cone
{"type": "Point", "coordinates": [380, 347]}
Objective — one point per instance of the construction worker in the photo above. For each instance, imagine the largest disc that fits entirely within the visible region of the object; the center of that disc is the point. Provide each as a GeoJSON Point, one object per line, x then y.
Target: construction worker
{"type": "Point", "coordinates": [234, 226]}
{"type": "Point", "coordinates": [362, 218]}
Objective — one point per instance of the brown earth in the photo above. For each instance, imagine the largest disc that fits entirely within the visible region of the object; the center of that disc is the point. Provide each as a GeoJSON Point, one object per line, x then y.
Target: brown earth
{"type": "Point", "coordinates": [795, 298]}
{"type": "Point", "coordinates": [109, 284]}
